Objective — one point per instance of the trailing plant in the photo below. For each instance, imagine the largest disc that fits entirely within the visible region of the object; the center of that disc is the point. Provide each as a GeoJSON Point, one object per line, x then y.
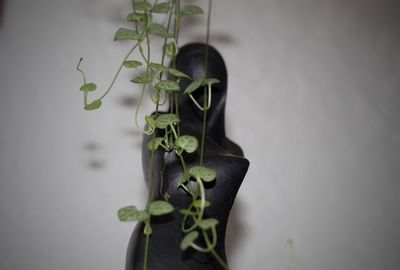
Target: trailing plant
{"type": "Point", "coordinates": [161, 83]}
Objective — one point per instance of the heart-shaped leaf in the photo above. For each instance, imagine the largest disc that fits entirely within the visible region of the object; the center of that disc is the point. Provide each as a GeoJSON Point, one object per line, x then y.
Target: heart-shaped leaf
{"type": "Point", "coordinates": [142, 79]}
{"type": "Point", "coordinates": [198, 83]}
{"type": "Point", "coordinates": [193, 86]}
{"type": "Point", "coordinates": [126, 34]}
{"type": "Point", "coordinates": [134, 17]}
{"type": "Point", "coordinates": [130, 213]}
{"type": "Point", "coordinates": [159, 30]}
{"type": "Point", "coordinates": [93, 106]}
{"type": "Point", "coordinates": [187, 212]}
{"type": "Point", "coordinates": [208, 223]}
{"type": "Point", "coordinates": [132, 64]}
{"type": "Point", "coordinates": [210, 81]}
{"type": "Point", "coordinates": [188, 239]}
{"type": "Point", "coordinates": [159, 208]}
{"type": "Point", "coordinates": [88, 87]}
{"type": "Point", "coordinates": [168, 86]}
{"type": "Point", "coordinates": [161, 8]}
{"type": "Point", "coordinates": [142, 5]}
{"type": "Point", "coordinates": [187, 143]}
{"type": "Point", "coordinates": [170, 49]}
{"type": "Point", "coordinates": [178, 74]}
{"type": "Point", "coordinates": [154, 143]}
{"type": "Point", "coordinates": [191, 10]}
{"type": "Point", "coordinates": [203, 173]}
{"type": "Point", "coordinates": [197, 203]}
{"type": "Point", "coordinates": [166, 119]}
{"type": "Point", "coordinates": [158, 67]}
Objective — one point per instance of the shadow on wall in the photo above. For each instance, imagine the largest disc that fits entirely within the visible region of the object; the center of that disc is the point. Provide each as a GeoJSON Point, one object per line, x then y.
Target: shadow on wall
{"type": "Point", "coordinates": [235, 230]}
{"type": "Point", "coordinates": [94, 161]}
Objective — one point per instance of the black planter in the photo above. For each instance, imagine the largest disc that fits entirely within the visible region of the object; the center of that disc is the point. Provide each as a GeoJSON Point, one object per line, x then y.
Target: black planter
{"type": "Point", "coordinates": [221, 154]}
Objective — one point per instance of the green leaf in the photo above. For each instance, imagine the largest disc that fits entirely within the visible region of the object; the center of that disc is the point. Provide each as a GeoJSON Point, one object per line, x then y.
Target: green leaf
{"type": "Point", "coordinates": [161, 8]}
{"type": "Point", "coordinates": [203, 173]}
{"type": "Point", "coordinates": [187, 143]}
{"type": "Point", "coordinates": [198, 83]}
{"type": "Point", "coordinates": [151, 125]}
{"type": "Point", "coordinates": [130, 213]}
{"type": "Point", "coordinates": [142, 5]}
{"type": "Point", "coordinates": [126, 34]}
{"type": "Point", "coordinates": [150, 121]}
{"type": "Point", "coordinates": [159, 30]}
{"type": "Point", "coordinates": [132, 64]}
{"type": "Point", "coordinates": [210, 81]}
{"type": "Point", "coordinates": [183, 179]}
{"type": "Point", "coordinates": [170, 49]}
{"type": "Point", "coordinates": [159, 208]}
{"type": "Point", "coordinates": [191, 10]}
{"type": "Point", "coordinates": [166, 119]}
{"type": "Point", "coordinates": [189, 239]}
{"type": "Point", "coordinates": [197, 203]}
{"type": "Point", "coordinates": [187, 212]}
{"type": "Point", "coordinates": [93, 106]}
{"type": "Point", "coordinates": [208, 223]}
{"type": "Point", "coordinates": [134, 17]}
{"type": "Point", "coordinates": [142, 79]}
{"type": "Point", "coordinates": [147, 229]}
{"type": "Point", "coordinates": [158, 67]}
{"type": "Point", "coordinates": [178, 74]}
{"type": "Point", "coordinates": [154, 143]}
{"type": "Point", "coordinates": [88, 87]}
{"type": "Point", "coordinates": [168, 86]}
{"type": "Point", "coordinates": [193, 86]}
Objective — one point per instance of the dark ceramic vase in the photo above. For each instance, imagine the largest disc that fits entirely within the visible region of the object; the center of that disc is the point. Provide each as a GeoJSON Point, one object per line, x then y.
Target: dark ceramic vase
{"type": "Point", "coordinates": [221, 154]}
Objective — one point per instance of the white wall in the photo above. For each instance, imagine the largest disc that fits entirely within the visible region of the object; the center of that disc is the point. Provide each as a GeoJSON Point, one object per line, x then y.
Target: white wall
{"type": "Point", "coordinates": [319, 79]}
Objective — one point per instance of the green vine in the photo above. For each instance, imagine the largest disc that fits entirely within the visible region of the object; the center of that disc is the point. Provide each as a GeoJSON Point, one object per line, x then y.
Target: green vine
{"type": "Point", "coordinates": [195, 225]}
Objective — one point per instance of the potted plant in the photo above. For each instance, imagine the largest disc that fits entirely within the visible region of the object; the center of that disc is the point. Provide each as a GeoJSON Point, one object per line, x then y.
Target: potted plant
{"type": "Point", "coordinates": [192, 170]}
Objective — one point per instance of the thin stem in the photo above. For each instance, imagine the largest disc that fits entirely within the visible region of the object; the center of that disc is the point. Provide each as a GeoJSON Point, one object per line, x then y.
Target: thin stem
{"type": "Point", "coordinates": [208, 34]}
{"type": "Point", "coordinates": [177, 111]}
{"type": "Point", "coordinates": [219, 259]}
{"type": "Point", "coordinates": [196, 103]}
{"type": "Point", "coordinates": [165, 40]}
{"type": "Point", "coordinates": [202, 198]}
{"type": "Point", "coordinates": [185, 189]}
{"type": "Point", "coordinates": [199, 248]}
{"type": "Point", "coordinates": [134, 10]}
{"type": "Point", "coordinates": [85, 94]}
{"type": "Point", "coordinates": [214, 237]}
{"type": "Point", "coordinates": [164, 100]}
{"type": "Point", "coordinates": [85, 98]}
{"type": "Point", "coordinates": [209, 97]}
{"type": "Point", "coordinates": [150, 184]}
{"type": "Point", "coordinates": [142, 54]}
{"type": "Point", "coordinates": [146, 252]}
{"type": "Point", "coordinates": [183, 163]}
{"type": "Point", "coordinates": [203, 135]}
{"type": "Point", "coordinates": [138, 107]}
{"type": "Point", "coordinates": [177, 19]}
{"type": "Point", "coordinates": [174, 131]}
{"type": "Point", "coordinates": [144, 85]}
{"type": "Point", "coordinates": [81, 71]}
{"type": "Point", "coordinates": [153, 98]}
{"type": "Point", "coordinates": [201, 208]}
{"type": "Point", "coordinates": [119, 70]}
{"type": "Point", "coordinates": [151, 167]}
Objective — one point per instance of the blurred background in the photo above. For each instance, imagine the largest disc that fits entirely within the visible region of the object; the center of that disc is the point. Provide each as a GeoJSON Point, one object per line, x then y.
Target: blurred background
{"type": "Point", "coordinates": [314, 101]}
